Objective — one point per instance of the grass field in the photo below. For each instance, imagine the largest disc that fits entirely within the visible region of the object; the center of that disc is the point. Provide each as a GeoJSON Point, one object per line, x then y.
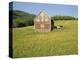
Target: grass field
{"type": "Point", "coordinates": [28, 43]}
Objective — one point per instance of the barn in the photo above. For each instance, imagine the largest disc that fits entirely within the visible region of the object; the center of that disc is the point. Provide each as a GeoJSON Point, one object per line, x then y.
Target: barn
{"type": "Point", "coordinates": [42, 22]}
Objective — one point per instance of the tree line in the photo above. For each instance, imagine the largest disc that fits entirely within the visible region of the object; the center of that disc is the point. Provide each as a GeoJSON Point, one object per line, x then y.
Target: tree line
{"type": "Point", "coordinates": [63, 18]}
{"type": "Point", "coordinates": [21, 18]}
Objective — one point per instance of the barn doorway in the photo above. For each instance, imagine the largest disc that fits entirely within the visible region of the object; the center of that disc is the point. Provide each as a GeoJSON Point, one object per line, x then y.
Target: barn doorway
{"type": "Point", "coordinates": [52, 24]}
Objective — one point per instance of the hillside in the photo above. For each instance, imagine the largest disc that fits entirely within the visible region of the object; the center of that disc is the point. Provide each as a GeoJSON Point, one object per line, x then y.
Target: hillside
{"type": "Point", "coordinates": [21, 14]}
{"type": "Point", "coordinates": [21, 18]}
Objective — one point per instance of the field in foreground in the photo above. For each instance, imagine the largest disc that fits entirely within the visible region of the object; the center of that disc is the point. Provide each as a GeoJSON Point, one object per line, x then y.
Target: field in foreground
{"type": "Point", "coordinates": [28, 43]}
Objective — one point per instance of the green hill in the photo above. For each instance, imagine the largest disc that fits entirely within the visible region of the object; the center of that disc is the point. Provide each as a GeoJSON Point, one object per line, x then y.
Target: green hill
{"type": "Point", "coordinates": [21, 14]}
{"type": "Point", "coordinates": [21, 18]}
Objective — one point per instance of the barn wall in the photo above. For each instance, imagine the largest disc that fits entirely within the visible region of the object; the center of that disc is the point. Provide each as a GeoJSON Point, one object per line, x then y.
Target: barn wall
{"type": "Point", "coordinates": [42, 25]}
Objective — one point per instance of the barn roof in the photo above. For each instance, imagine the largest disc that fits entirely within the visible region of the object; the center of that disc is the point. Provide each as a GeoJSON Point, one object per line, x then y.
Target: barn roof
{"type": "Point", "coordinates": [43, 12]}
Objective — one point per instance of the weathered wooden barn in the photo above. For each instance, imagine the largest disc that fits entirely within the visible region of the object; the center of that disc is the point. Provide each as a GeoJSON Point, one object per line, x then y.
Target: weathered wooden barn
{"type": "Point", "coordinates": [42, 22]}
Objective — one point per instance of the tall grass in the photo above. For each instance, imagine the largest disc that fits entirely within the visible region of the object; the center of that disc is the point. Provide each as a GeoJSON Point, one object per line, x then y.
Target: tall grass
{"type": "Point", "coordinates": [28, 43]}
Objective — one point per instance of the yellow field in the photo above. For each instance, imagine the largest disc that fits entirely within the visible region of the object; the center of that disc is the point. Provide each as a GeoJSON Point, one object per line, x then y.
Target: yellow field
{"type": "Point", "coordinates": [28, 43]}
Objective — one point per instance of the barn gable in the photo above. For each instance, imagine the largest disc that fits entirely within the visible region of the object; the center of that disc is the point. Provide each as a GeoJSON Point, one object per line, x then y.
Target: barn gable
{"type": "Point", "coordinates": [42, 22]}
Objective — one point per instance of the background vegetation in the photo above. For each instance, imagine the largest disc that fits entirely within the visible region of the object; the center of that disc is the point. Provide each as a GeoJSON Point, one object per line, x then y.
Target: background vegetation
{"type": "Point", "coordinates": [21, 19]}
{"type": "Point", "coordinates": [64, 18]}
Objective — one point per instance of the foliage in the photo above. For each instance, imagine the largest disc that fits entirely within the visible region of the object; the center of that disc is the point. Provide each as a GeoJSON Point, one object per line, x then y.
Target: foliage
{"type": "Point", "coordinates": [63, 18]}
{"type": "Point", "coordinates": [21, 19]}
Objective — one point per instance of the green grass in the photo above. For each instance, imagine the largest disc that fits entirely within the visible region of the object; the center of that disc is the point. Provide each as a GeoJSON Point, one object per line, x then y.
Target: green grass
{"type": "Point", "coordinates": [28, 43]}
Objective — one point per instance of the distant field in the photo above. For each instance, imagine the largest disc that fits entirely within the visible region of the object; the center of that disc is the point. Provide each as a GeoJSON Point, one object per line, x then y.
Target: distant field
{"type": "Point", "coordinates": [28, 43]}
